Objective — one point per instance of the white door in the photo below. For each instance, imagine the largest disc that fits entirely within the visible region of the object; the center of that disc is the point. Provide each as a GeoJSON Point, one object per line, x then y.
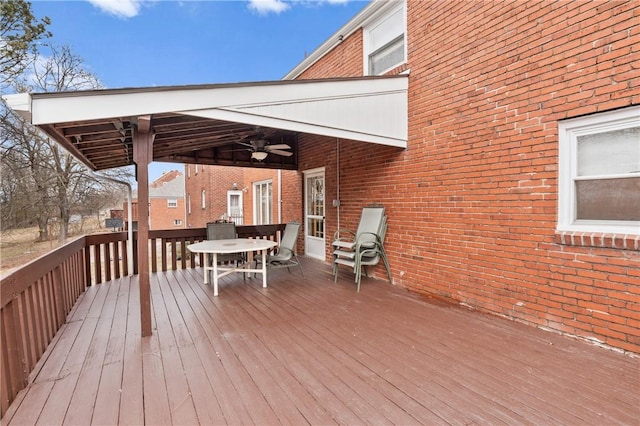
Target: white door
{"type": "Point", "coordinates": [235, 207]}
{"type": "Point", "coordinates": [314, 245]}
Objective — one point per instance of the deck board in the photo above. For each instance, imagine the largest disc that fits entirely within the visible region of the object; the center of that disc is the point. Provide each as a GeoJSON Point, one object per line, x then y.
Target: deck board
{"type": "Point", "coordinates": [81, 406]}
{"type": "Point", "coordinates": [59, 402]}
{"type": "Point", "coordinates": [172, 337]}
{"type": "Point", "coordinates": [213, 350]}
{"type": "Point", "coordinates": [107, 401]}
{"type": "Point", "coordinates": [354, 387]}
{"type": "Point", "coordinates": [131, 390]}
{"type": "Point", "coordinates": [307, 350]}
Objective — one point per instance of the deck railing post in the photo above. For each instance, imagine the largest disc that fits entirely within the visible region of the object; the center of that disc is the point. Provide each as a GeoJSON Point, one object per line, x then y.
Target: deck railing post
{"type": "Point", "coordinates": [87, 265]}
{"type": "Point", "coordinates": [58, 296]}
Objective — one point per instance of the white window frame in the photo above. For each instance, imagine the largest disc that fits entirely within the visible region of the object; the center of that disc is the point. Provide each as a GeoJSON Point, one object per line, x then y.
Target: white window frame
{"type": "Point", "coordinates": [237, 218]}
{"type": "Point", "coordinates": [257, 216]}
{"type": "Point", "coordinates": [172, 203]}
{"type": "Point", "coordinates": [368, 26]}
{"type": "Point", "coordinates": [568, 132]}
{"type": "Point", "coordinates": [177, 222]}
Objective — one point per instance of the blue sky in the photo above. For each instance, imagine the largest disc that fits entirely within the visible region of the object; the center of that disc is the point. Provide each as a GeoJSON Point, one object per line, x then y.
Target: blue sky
{"type": "Point", "coordinates": [129, 43]}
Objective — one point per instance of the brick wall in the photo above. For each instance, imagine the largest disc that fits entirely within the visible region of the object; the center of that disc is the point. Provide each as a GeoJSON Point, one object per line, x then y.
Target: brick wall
{"type": "Point", "coordinates": [472, 202]}
{"type": "Point", "coordinates": [162, 190]}
{"type": "Point", "coordinates": [215, 181]}
{"type": "Point", "coordinates": [292, 206]}
{"type": "Point", "coordinates": [163, 217]}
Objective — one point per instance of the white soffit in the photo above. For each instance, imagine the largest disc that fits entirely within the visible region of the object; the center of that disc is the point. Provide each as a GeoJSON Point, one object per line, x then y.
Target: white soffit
{"type": "Point", "coordinates": [365, 109]}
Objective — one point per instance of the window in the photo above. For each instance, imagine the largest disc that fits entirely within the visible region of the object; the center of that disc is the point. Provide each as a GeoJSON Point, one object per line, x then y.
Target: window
{"type": "Point", "coordinates": [262, 203]}
{"type": "Point", "coordinates": [203, 197]}
{"type": "Point", "coordinates": [177, 222]}
{"type": "Point", "coordinates": [599, 173]}
{"type": "Point", "coordinates": [384, 41]}
{"type": "Point", "coordinates": [189, 204]}
{"type": "Point", "coordinates": [172, 203]}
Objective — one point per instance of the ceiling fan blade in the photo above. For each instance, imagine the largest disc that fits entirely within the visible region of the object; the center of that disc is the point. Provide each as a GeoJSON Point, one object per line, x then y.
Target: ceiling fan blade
{"type": "Point", "coordinates": [277, 146]}
{"type": "Point", "coordinates": [245, 144]}
{"type": "Point", "coordinates": [280, 152]}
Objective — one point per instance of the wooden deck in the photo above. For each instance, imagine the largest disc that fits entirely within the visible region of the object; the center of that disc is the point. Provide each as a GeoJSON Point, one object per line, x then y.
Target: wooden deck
{"type": "Point", "coordinates": [308, 351]}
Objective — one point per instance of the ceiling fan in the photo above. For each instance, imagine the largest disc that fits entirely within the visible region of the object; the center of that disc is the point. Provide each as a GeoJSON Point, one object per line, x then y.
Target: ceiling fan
{"type": "Point", "coordinates": [260, 148]}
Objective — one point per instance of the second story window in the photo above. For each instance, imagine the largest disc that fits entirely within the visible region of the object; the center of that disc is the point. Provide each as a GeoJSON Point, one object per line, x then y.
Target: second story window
{"type": "Point", "coordinates": [384, 41]}
{"type": "Point", "coordinates": [172, 203]}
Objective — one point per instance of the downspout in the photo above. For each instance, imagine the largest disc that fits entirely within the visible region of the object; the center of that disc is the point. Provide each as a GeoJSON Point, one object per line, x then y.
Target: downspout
{"type": "Point", "coordinates": [129, 217]}
{"type": "Point", "coordinates": [279, 196]}
{"type": "Point", "coordinates": [186, 213]}
{"type": "Point", "coordinates": [338, 182]}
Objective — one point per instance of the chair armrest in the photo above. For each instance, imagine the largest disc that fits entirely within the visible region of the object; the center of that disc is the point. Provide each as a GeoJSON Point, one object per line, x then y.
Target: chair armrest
{"type": "Point", "coordinates": [337, 237]}
{"type": "Point", "coordinates": [364, 240]}
{"type": "Point", "coordinates": [282, 253]}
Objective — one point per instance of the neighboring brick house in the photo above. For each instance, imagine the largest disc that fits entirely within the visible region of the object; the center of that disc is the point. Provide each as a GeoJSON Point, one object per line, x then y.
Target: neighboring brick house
{"type": "Point", "coordinates": [167, 202]}
{"type": "Point", "coordinates": [485, 205]}
{"type": "Point", "coordinates": [243, 195]}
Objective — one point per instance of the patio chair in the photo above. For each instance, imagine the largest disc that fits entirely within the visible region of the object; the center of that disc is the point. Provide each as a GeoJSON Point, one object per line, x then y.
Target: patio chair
{"type": "Point", "coordinates": [371, 220]}
{"type": "Point", "coordinates": [364, 247]}
{"type": "Point", "coordinates": [284, 256]}
{"type": "Point", "coordinates": [225, 231]}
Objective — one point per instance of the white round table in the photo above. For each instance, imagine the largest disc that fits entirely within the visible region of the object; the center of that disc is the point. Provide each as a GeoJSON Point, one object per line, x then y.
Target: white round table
{"type": "Point", "coordinates": [212, 248]}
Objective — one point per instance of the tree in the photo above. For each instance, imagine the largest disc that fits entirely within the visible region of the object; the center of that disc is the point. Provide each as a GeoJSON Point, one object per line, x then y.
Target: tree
{"type": "Point", "coordinates": [19, 33]}
{"type": "Point", "coordinates": [26, 179]}
{"type": "Point", "coordinates": [38, 177]}
{"type": "Point", "coordinates": [50, 174]}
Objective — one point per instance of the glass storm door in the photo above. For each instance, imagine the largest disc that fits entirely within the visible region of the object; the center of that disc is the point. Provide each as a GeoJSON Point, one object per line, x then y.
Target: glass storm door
{"type": "Point", "coordinates": [314, 245]}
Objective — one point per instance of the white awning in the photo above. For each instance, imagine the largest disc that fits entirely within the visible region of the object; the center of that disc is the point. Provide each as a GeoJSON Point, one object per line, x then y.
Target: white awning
{"type": "Point", "coordinates": [365, 109]}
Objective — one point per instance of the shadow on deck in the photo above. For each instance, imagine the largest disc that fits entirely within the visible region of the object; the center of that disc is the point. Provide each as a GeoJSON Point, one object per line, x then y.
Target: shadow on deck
{"type": "Point", "coordinates": [308, 351]}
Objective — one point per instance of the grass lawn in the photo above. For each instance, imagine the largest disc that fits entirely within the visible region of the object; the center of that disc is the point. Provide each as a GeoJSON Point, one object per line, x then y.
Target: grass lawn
{"type": "Point", "coordinates": [20, 246]}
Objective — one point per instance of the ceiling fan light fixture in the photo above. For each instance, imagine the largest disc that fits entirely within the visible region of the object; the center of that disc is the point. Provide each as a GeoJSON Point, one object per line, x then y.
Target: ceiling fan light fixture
{"type": "Point", "coordinates": [259, 155]}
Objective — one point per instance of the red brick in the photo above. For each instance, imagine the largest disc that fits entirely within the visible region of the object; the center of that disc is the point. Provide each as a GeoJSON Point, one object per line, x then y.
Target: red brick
{"type": "Point", "coordinates": [472, 201]}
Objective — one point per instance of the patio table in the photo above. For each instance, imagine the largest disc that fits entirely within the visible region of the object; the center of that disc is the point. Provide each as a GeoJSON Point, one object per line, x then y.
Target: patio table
{"type": "Point", "coordinates": [237, 245]}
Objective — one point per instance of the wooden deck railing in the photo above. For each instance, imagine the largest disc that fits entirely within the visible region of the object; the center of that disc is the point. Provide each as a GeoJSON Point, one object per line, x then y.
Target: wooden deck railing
{"type": "Point", "coordinates": [36, 299]}
{"type": "Point", "coordinates": [106, 256]}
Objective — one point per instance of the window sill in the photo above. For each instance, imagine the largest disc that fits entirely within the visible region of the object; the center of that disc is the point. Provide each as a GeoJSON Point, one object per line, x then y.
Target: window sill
{"type": "Point", "coordinates": [599, 240]}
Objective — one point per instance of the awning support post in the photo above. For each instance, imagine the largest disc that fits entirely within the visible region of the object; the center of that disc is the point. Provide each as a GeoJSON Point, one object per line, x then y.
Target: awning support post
{"type": "Point", "coordinates": [142, 156]}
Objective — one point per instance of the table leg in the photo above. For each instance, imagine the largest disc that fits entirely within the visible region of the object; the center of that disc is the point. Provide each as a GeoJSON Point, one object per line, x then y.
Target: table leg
{"type": "Point", "coordinates": [207, 260]}
{"type": "Point", "coordinates": [215, 274]}
{"type": "Point", "coordinates": [264, 268]}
